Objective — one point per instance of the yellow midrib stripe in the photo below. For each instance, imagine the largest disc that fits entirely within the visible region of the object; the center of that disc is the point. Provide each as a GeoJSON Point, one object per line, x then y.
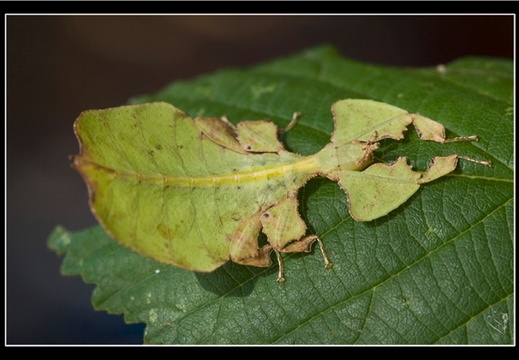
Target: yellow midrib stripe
{"type": "Point", "coordinates": [307, 164]}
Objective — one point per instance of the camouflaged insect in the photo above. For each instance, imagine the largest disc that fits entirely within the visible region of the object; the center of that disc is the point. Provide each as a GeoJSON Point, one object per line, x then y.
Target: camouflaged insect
{"type": "Point", "coordinates": [196, 193]}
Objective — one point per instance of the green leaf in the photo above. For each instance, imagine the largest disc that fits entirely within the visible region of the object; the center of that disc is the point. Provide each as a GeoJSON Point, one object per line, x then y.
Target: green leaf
{"type": "Point", "coordinates": [437, 270]}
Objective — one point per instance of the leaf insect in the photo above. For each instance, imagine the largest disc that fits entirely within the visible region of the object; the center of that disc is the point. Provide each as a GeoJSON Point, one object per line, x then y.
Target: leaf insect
{"type": "Point", "coordinates": [197, 192]}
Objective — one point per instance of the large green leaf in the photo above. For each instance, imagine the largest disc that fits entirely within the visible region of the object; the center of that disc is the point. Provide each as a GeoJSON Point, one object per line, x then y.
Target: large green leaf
{"type": "Point", "coordinates": [438, 270]}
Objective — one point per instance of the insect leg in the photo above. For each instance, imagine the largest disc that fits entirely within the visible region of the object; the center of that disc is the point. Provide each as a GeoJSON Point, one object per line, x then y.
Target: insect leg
{"type": "Point", "coordinates": [225, 119]}
{"type": "Point", "coordinates": [281, 272]}
{"type": "Point", "coordinates": [244, 244]}
{"type": "Point", "coordinates": [327, 263]}
{"type": "Point", "coordinates": [292, 122]}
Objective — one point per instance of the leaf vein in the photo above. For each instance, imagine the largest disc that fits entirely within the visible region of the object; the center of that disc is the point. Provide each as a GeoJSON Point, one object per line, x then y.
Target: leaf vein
{"type": "Point", "coordinates": [389, 278]}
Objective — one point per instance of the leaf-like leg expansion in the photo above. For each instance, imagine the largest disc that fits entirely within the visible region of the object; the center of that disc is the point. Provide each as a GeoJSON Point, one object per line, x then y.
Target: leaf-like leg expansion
{"type": "Point", "coordinates": [439, 166]}
{"type": "Point", "coordinates": [244, 244]}
{"type": "Point", "coordinates": [283, 225]}
{"type": "Point", "coordinates": [296, 115]}
{"type": "Point", "coordinates": [434, 131]}
{"type": "Point", "coordinates": [301, 245]}
{"type": "Point", "coordinates": [443, 165]}
{"type": "Point", "coordinates": [220, 131]}
{"type": "Point", "coordinates": [258, 136]}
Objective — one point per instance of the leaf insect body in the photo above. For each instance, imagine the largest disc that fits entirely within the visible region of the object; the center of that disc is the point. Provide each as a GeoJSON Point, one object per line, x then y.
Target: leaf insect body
{"type": "Point", "coordinates": [196, 193]}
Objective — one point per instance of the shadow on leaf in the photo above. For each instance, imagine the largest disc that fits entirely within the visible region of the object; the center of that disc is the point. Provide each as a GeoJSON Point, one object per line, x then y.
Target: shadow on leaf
{"type": "Point", "coordinates": [234, 279]}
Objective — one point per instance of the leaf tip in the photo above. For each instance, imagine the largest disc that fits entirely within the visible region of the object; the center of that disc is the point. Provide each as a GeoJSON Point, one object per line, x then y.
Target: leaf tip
{"type": "Point", "coordinates": [59, 239]}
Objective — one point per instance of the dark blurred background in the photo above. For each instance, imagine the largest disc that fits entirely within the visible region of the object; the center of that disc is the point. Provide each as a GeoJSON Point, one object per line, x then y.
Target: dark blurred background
{"type": "Point", "coordinates": [58, 66]}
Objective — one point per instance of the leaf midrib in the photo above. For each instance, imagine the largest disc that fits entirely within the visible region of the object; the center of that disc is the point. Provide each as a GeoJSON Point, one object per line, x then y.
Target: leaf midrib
{"type": "Point", "coordinates": [306, 164]}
